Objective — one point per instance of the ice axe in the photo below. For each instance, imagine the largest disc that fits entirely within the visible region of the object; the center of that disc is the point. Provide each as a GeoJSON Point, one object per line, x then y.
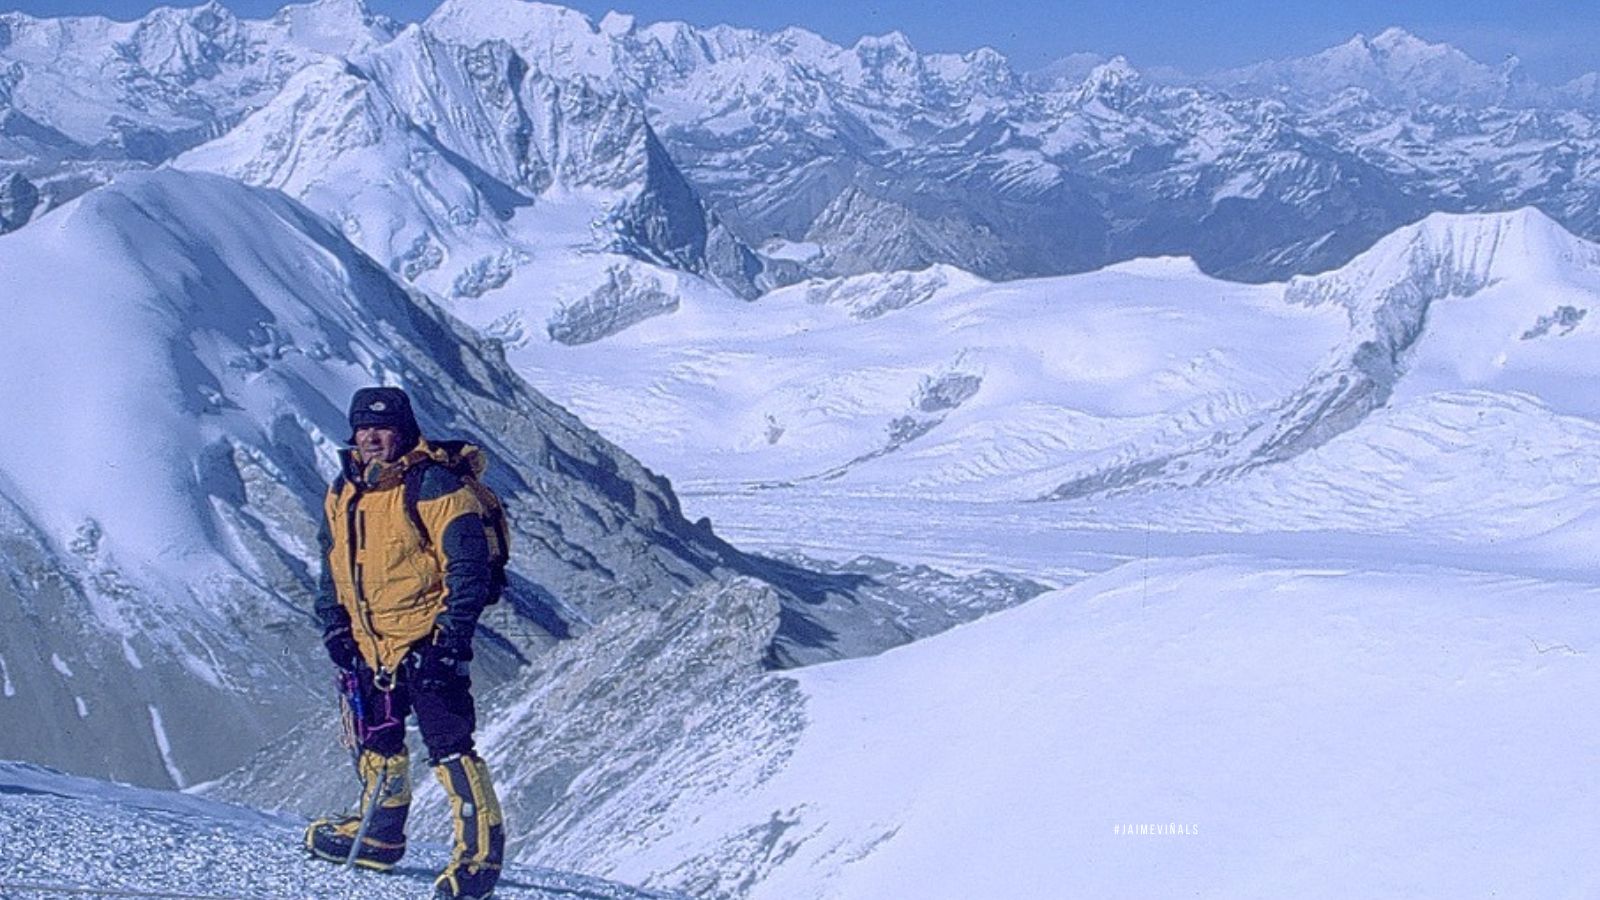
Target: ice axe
{"type": "Point", "coordinates": [352, 714]}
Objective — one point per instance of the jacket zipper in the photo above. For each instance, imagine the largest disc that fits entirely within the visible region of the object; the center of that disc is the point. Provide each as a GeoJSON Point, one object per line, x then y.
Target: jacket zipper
{"type": "Point", "coordinates": [357, 530]}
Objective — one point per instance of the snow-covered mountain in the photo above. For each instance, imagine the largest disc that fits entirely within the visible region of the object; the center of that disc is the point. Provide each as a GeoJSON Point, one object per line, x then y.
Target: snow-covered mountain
{"type": "Point", "coordinates": [492, 164]}
{"type": "Point", "coordinates": [880, 158]}
{"type": "Point", "coordinates": [832, 160]}
{"type": "Point", "coordinates": [1395, 67]}
{"type": "Point", "coordinates": [84, 97]}
{"type": "Point", "coordinates": [180, 349]}
{"type": "Point", "coordinates": [1088, 386]}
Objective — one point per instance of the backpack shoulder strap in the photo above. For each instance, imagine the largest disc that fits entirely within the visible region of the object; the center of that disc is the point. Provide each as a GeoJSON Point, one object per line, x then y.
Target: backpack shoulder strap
{"type": "Point", "coordinates": [411, 488]}
{"type": "Point", "coordinates": [410, 492]}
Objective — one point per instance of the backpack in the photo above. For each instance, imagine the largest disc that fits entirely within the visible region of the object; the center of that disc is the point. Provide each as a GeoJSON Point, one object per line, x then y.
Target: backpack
{"type": "Point", "coordinates": [468, 462]}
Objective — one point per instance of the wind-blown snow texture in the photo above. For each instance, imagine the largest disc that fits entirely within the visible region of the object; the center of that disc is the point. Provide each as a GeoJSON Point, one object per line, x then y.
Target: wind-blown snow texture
{"type": "Point", "coordinates": [1297, 723]}
{"type": "Point", "coordinates": [62, 835]}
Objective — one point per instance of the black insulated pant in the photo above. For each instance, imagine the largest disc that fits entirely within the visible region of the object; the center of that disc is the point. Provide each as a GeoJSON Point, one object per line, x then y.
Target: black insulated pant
{"type": "Point", "coordinates": [443, 706]}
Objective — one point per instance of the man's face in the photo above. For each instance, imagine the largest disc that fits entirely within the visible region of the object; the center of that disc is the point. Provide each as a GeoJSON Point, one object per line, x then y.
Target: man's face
{"type": "Point", "coordinates": [377, 444]}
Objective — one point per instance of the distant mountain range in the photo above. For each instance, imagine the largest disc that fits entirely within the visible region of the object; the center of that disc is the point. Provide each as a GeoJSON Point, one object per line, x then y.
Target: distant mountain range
{"type": "Point", "coordinates": [823, 160]}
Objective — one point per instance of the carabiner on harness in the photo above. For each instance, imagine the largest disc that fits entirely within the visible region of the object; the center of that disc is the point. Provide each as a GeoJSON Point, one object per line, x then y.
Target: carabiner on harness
{"type": "Point", "coordinates": [383, 679]}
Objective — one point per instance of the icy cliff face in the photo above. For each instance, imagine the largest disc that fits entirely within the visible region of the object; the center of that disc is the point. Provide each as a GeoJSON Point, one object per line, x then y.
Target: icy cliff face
{"type": "Point", "coordinates": [18, 200]}
{"type": "Point", "coordinates": [871, 296]}
{"type": "Point", "coordinates": [627, 298]}
{"type": "Point", "coordinates": [163, 551]}
{"type": "Point", "coordinates": [492, 161]}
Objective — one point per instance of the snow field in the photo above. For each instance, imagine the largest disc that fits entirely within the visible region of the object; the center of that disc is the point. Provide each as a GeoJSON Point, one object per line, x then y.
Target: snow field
{"type": "Point", "coordinates": [1316, 732]}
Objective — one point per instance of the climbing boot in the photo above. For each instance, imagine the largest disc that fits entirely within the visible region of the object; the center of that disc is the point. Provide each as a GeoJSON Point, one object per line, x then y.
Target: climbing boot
{"type": "Point", "coordinates": [385, 803]}
{"type": "Point", "coordinates": [480, 838]}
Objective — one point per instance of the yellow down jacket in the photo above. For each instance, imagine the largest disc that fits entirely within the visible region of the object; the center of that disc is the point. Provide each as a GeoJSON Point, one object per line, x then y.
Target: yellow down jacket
{"type": "Point", "coordinates": [393, 584]}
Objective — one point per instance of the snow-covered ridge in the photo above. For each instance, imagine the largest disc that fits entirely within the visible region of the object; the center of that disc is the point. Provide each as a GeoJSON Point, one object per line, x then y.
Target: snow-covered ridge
{"type": "Point", "coordinates": [200, 66]}
{"type": "Point", "coordinates": [1446, 255]}
{"type": "Point", "coordinates": [1393, 296]}
{"type": "Point", "coordinates": [842, 174]}
{"type": "Point", "coordinates": [82, 98]}
{"type": "Point", "coordinates": [1390, 292]}
{"type": "Point", "coordinates": [559, 39]}
{"type": "Point", "coordinates": [161, 529]}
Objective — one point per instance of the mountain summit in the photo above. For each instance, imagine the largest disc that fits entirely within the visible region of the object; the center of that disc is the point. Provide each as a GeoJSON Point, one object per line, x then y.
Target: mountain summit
{"type": "Point", "coordinates": [1395, 67]}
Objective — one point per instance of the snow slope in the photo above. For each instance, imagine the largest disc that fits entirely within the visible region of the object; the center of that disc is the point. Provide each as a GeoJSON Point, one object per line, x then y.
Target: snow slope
{"type": "Point", "coordinates": [63, 835]}
{"type": "Point", "coordinates": [936, 380]}
{"type": "Point", "coordinates": [1278, 729]}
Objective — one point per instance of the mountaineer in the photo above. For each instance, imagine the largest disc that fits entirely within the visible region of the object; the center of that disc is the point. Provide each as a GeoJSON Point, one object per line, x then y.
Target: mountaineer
{"type": "Point", "coordinates": [414, 548]}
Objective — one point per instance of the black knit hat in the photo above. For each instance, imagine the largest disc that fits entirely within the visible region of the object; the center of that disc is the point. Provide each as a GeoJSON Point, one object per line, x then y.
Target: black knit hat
{"type": "Point", "coordinates": [384, 407]}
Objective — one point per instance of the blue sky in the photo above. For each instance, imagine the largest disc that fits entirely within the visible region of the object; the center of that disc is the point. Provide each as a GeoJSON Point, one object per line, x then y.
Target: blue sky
{"type": "Point", "coordinates": [1556, 39]}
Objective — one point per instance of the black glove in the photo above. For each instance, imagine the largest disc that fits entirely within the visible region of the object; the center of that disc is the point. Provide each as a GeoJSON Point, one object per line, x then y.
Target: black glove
{"type": "Point", "coordinates": [438, 658]}
{"type": "Point", "coordinates": [342, 649]}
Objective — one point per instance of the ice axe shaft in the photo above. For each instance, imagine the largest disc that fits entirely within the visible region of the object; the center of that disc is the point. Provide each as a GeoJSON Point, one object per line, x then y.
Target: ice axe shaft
{"type": "Point", "coordinates": [366, 822]}
{"type": "Point", "coordinates": [353, 715]}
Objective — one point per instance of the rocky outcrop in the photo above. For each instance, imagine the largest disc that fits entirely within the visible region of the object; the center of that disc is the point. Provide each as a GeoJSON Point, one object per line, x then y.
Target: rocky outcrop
{"type": "Point", "coordinates": [626, 299]}
{"type": "Point", "coordinates": [18, 200]}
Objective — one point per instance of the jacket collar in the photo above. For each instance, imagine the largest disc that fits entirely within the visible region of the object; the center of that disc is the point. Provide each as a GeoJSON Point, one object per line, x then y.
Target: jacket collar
{"type": "Point", "coordinates": [379, 476]}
